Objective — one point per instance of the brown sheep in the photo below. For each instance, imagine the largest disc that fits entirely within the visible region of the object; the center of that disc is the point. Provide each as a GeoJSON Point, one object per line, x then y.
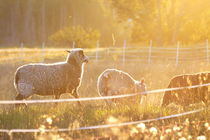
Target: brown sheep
{"type": "Point", "coordinates": [187, 96]}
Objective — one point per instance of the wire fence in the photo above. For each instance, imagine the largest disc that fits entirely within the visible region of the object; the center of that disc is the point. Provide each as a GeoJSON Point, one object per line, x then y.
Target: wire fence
{"type": "Point", "coordinates": [144, 54]}
{"type": "Point", "coordinates": [100, 126]}
{"type": "Point", "coordinates": [124, 54]}
{"type": "Point", "coordinates": [11, 131]}
{"type": "Point", "coordinates": [98, 98]}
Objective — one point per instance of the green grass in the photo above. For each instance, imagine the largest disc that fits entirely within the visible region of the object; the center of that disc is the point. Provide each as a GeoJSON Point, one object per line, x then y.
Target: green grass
{"type": "Point", "coordinates": [157, 76]}
{"type": "Point", "coordinates": [89, 114]}
{"type": "Point", "coordinates": [72, 116]}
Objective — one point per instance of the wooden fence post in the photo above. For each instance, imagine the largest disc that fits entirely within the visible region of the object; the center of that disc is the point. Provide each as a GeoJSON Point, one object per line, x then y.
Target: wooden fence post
{"type": "Point", "coordinates": [73, 44]}
{"type": "Point", "coordinates": [97, 50]}
{"type": "Point", "coordinates": [108, 50]}
{"type": "Point", "coordinates": [177, 53]}
{"type": "Point", "coordinates": [43, 51]}
{"type": "Point", "coordinates": [21, 53]}
{"type": "Point", "coordinates": [150, 52]}
{"type": "Point", "coordinates": [124, 51]}
{"type": "Point", "coordinates": [207, 50]}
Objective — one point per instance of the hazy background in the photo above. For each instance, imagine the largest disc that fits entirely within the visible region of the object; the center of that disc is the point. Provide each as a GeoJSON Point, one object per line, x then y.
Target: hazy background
{"type": "Point", "coordinates": [33, 22]}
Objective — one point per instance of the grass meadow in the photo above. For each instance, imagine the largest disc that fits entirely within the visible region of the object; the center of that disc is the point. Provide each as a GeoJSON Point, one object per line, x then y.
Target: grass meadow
{"type": "Point", "coordinates": [157, 75]}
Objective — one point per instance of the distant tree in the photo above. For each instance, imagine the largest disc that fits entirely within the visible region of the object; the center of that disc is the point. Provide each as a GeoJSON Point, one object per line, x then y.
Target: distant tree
{"type": "Point", "coordinates": [166, 21]}
{"type": "Point", "coordinates": [33, 21]}
{"type": "Point", "coordinates": [83, 37]}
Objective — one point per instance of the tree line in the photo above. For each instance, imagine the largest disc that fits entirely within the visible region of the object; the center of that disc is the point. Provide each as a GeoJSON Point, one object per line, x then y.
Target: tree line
{"type": "Point", "coordinates": [163, 21]}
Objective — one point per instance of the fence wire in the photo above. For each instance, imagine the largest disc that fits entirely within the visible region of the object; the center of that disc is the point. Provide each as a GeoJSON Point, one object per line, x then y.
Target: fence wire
{"type": "Point", "coordinates": [98, 98]}
{"type": "Point", "coordinates": [100, 126]}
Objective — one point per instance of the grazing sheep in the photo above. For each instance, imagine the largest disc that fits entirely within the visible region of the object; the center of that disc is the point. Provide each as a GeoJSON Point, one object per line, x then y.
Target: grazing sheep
{"type": "Point", "coordinates": [187, 96]}
{"type": "Point", "coordinates": [115, 82]}
{"type": "Point", "coordinates": [51, 79]}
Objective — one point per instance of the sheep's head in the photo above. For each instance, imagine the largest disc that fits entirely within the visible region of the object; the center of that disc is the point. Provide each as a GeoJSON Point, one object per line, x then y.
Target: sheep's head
{"type": "Point", "coordinates": [141, 86]}
{"type": "Point", "coordinates": [77, 55]}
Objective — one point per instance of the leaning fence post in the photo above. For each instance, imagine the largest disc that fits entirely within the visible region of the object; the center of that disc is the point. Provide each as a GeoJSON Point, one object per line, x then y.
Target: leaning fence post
{"type": "Point", "coordinates": [150, 52]}
{"type": "Point", "coordinates": [21, 53]}
{"type": "Point", "coordinates": [124, 49]}
{"type": "Point", "coordinates": [43, 51]}
{"type": "Point", "coordinates": [207, 50]}
{"type": "Point", "coordinates": [108, 50]}
{"type": "Point", "coordinates": [73, 44]}
{"type": "Point", "coordinates": [177, 53]}
{"type": "Point", "coordinates": [97, 50]}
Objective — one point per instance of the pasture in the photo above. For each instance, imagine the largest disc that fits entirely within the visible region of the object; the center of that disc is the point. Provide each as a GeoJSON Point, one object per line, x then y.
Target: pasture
{"type": "Point", "coordinates": [70, 115]}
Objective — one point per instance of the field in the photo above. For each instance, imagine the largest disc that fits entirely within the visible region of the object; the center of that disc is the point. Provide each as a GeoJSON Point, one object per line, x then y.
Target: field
{"type": "Point", "coordinates": [157, 76]}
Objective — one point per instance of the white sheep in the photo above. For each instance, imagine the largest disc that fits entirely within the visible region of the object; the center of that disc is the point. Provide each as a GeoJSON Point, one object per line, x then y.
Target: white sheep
{"type": "Point", "coordinates": [51, 79]}
{"type": "Point", "coordinates": [116, 82]}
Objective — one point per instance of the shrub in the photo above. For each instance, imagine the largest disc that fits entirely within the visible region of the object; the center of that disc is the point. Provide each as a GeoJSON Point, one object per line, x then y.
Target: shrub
{"type": "Point", "coordinates": [83, 37]}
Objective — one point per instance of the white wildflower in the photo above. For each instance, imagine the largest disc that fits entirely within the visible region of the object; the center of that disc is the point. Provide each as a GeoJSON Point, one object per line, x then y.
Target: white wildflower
{"type": "Point", "coordinates": [201, 138]}
{"type": "Point", "coordinates": [49, 120]}
{"type": "Point", "coordinates": [153, 130]}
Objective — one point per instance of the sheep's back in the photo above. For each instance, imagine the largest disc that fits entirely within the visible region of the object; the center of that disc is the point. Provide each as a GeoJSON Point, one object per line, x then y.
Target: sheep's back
{"type": "Point", "coordinates": [119, 81]}
{"type": "Point", "coordinates": [189, 95]}
{"type": "Point", "coordinates": [45, 79]}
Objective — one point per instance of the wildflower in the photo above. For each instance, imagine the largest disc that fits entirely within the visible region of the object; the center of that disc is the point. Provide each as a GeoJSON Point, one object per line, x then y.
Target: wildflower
{"type": "Point", "coordinates": [187, 122]}
{"type": "Point", "coordinates": [162, 137]}
{"type": "Point", "coordinates": [168, 131]}
{"type": "Point", "coordinates": [176, 128]}
{"type": "Point", "coordinates": [44, 116]}
{"type": "Point", "coordinates": [112, 120]}
{"type": "Point", "coordinates": [142, 127]}
{"type": "Point", "coordinates": [179, 134]}
{"type": "Point", "coordinates": [49, 120]}
{"type": "Point", "coordinates": [182, 138]}
{"type": "Point", "coordinates": [60, 139]}
{"type": "Point", "coordinates": [115, 130]}
{"type": "Point", "coordinates": [206, 124]}
{"type": "Point", "coordinates": [42, 128]}
{"type": "Point", "coordinates": [189, 137]}
{"type": "Point", "coordinates": [153, 130]}
{"type": "Point", "coordinates": [201, 138]}
{"type": "Point", "coordinates": [133, 131]}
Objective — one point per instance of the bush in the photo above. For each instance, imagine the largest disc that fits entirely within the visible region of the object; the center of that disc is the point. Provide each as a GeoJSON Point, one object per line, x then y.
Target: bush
{"type": "Point", "coordinates": [83, 38]}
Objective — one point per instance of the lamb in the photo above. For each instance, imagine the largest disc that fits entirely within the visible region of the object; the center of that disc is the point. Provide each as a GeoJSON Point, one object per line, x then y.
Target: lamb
{"type": "Point", "coordinates": [51, 79]}
{"type": "Point", "coordinates": [115, 82]}
{"type": "Point", "coordinates": [185, 97]}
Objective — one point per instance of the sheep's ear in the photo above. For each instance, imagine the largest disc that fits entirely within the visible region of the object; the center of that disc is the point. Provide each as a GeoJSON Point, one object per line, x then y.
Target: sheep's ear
{"type": "Point", "coordinates": [142, 81]}
{"type": "Point", "coordinates": [68, 51]}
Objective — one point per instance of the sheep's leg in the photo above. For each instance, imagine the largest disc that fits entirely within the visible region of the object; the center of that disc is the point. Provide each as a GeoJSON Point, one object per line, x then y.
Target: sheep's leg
{"type": "Point", "coordinates": [75, 94]}
{"type": "Point", "coordinates": [20, 97]}
{"type": "Point", "coordinates": [110, 101]}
